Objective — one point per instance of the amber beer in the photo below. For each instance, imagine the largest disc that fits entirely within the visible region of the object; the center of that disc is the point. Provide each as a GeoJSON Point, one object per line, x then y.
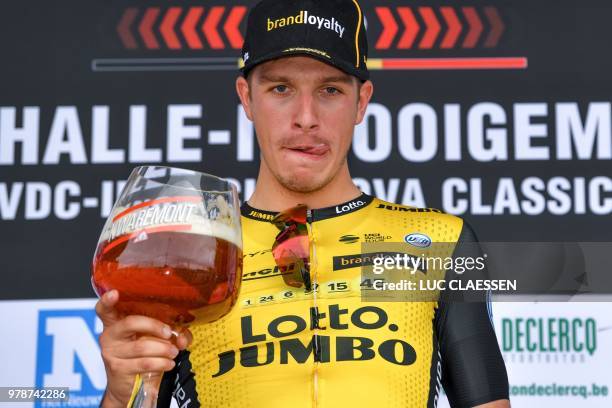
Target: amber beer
{"type": "Point", "coordinates": [169, 262]}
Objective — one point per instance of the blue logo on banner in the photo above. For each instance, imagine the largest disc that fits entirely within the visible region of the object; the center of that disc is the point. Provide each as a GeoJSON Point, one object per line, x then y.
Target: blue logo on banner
{"type": "Point", "coordinates": [68, 355]}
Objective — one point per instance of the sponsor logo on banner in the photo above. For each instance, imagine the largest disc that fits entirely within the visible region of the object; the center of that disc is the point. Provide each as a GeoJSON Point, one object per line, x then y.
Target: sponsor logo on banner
{"type": "Point", "coordinates": [548, 339]}
{"type": "Point", "coordinates": [68, 355]}
{"type": "Point", "coordinates": [418, 240]}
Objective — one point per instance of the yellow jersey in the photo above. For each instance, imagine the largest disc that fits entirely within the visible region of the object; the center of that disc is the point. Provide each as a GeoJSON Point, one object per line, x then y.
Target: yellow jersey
{"type": "Point", "coordinates": [281, 346]}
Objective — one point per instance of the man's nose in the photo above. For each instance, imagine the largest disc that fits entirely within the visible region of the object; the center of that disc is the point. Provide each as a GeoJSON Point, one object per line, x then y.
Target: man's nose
{"type": "Point", "coordinates": [306, 115]}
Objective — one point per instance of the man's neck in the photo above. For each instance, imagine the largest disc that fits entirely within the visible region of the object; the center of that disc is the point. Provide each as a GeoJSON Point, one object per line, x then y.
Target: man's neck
{"type": "Point", "coordinates": [270, 195]}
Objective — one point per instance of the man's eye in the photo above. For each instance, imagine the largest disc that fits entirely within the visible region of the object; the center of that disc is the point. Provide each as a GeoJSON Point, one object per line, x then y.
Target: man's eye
{"type": "Point", "coordinates": [331, 90]}
{"type": "Point", "coordinates": [280, 88]}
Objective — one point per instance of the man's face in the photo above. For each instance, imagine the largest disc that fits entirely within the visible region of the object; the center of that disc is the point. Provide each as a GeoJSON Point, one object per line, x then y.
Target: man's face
{"type": "Point", "coordinates": [304, 112]}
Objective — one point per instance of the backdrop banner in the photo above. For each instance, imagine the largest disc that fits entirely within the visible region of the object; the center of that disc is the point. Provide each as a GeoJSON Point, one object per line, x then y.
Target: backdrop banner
{"type": "Point", "coordinates": [556, 354]}
{"type": "Point", "coordinates": [499, 112]}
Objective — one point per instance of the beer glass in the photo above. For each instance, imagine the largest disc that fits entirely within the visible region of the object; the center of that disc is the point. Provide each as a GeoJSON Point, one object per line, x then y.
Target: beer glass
{"type": "Point", "coordinates": [172, 247]}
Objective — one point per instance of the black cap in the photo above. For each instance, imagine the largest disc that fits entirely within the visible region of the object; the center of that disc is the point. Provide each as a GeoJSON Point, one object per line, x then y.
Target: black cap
{"type": "Point", "coordinates": [332, 31]}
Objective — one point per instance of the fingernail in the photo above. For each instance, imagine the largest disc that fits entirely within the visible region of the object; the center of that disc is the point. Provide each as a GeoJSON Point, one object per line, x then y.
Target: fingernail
{"type": "Point", "coordinates": [174, 351]}
{"type": "Point", "coordinates": [183, 342]}
{"type": "Point", "coordinates": [166, 332]}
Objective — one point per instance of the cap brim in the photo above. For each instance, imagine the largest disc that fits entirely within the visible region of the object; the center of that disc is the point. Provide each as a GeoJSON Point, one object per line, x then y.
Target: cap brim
{"type": "Point", "coordinates": [341, 65]}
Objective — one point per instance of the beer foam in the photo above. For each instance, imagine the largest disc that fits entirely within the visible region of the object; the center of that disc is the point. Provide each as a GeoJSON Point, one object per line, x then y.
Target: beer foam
{"type": "Point", "coordinates": [217, 229]}
{"type": "Point", "coordinates": [222, 227]}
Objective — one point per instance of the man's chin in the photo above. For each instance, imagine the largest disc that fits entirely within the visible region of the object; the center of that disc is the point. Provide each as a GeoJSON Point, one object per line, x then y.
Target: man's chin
{"type": "Point", "coordinates": [303, 184]}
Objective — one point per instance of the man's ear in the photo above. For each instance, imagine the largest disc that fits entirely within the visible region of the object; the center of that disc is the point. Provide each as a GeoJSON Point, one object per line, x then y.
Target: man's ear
{"type": "Point", "coordinates": [242, 88]}
{"type": "Point", "coordinates": [365, 94]}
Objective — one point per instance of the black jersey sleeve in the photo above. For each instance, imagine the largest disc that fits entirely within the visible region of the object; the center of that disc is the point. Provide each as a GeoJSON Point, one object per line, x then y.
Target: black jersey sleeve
{"type": "Point", "coordinates": [179, 383]}
{"type": "Point", "coordinates": [473, 370]}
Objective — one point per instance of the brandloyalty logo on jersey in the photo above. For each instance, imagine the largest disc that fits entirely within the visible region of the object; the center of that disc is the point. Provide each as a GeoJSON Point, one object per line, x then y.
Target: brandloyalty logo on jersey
{"type": "Point", "coordinates": [303, 17]}
{"type": "Point", "coordinates": [365, 259]}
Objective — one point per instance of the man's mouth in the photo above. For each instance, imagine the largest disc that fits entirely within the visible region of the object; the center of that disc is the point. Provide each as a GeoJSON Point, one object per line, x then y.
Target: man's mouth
{"type": "Point", "coordinates": [313, 151]}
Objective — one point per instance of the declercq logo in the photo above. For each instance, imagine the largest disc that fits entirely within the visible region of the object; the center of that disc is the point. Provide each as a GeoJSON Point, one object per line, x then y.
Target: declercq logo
{"type": "Point", "coordinates": [304, 18]}
{"type": "Point", "coordinates": [418, 240]}
{"type": "Point", "coordinates": [348, 207]}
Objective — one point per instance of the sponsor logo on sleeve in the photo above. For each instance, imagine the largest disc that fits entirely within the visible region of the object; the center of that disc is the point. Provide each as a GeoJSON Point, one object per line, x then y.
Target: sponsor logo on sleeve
{"type": "Point", "coordinates": [418, 240]}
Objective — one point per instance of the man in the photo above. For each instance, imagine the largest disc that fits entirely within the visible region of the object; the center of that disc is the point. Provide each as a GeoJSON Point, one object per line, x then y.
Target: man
{"type": "Point", "coordinates": [305, 86]}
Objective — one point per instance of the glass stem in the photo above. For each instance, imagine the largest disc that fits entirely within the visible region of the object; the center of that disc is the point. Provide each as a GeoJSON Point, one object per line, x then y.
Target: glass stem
{"type": "Point", "coordinates": [148, 390]}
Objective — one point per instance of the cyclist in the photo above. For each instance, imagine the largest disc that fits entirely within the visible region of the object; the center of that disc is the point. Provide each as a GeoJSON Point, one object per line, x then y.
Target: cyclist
{"type": "Point", "coordinates": [305, 85]}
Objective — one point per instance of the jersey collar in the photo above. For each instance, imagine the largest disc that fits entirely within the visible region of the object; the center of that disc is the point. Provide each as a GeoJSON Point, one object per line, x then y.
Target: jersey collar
{"type": "Point", "coordinates": [317, 214]}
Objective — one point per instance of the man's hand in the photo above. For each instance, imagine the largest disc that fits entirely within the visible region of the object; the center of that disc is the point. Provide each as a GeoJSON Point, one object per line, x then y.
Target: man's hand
{"type": "Point", "coordinates": [132, 345]}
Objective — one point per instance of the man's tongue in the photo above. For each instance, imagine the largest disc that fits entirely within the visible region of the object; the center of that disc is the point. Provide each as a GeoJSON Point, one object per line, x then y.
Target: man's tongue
{"type": "Point", "coordinates": [315, 149]}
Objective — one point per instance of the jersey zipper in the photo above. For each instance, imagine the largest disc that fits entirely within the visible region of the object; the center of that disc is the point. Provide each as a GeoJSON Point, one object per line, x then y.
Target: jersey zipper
{"type": "Point", "coordinates": [314, 315]}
